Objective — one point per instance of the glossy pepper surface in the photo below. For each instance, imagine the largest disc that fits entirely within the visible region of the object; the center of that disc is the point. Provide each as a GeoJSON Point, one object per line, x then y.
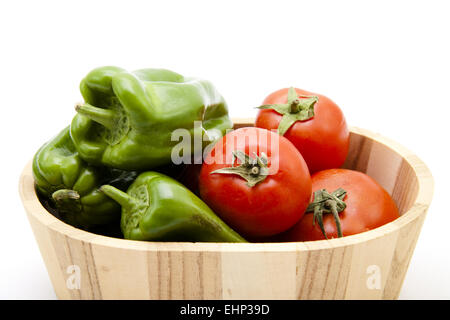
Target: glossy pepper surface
{"type": "Point", "coordinates": [128, 118]}
{"type": "Point", "coordinates": [158, 208]}
{"type": "Point", "coordinates": [72, 185]}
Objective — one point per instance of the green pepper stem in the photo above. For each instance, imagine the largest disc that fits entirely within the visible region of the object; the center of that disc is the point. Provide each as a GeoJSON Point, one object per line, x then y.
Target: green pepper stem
{"type": "Point", "coordinates": [65, 194]}
{"type": "Point", "coordinates": [117, 195]}
{"type": "Point", "coordinates": [105, 117]}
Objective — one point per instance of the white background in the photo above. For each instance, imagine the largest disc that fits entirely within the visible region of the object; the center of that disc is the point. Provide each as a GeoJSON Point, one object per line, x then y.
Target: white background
{"type": "Point", "coordinates": [385, 63]}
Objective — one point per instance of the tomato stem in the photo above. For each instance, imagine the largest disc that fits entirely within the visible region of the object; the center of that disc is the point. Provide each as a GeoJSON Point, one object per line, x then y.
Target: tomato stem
{"type": "Point", "coordinates": [324, 202]}
{"type": "Point", "coordinates": [294, 110]}
{"type": "Point", "coordinates": [253, 170]}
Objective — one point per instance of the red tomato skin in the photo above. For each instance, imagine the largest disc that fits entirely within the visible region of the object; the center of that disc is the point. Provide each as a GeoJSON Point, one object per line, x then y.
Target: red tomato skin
{"type": "Point", "coordinates": [322, 140]}
{"type": "Point", "coordinates": [270, 207]}
{"type": "Point", "coordinates": [368, 206]}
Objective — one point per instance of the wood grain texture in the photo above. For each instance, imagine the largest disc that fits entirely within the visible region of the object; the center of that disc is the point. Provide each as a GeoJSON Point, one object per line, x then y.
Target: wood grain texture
{"type": "Point", "coordinates": [370, 265]}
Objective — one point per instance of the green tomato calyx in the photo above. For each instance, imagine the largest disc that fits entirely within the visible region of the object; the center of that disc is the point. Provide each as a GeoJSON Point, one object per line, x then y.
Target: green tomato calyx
{"type": "Point", "coordinates": [294, 110]}
{"type": "Point", "coordinates": [253, 170]}
{"type": "Point", "coordinates": [325, 202]}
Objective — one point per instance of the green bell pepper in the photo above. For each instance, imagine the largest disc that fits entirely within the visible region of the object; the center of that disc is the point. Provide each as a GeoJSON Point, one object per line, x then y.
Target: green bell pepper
{"type": "Point", "coordinates": [158, 208]}
{"type": "Point", "coordinates": [128, 118]}
{"type": "Point", "coordinates": [72, 185]}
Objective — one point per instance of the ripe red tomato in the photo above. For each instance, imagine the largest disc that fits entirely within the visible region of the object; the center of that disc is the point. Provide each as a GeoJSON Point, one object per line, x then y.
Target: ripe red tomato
{"type": "Point", "coordinates": [368, 206]}
{"type": "Point", "coordinates": [265, 192]}
{"type": "Point", "coordinates": [322, 139]}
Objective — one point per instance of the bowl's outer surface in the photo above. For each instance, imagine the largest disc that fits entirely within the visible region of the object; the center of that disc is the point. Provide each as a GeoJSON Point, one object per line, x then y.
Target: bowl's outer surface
{"type": "Point", "coordinates": [370, 265]}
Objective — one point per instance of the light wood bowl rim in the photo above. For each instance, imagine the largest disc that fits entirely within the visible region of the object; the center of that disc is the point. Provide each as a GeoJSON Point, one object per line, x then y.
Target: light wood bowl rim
{"type": "Point", "coordinates": [34, 209]}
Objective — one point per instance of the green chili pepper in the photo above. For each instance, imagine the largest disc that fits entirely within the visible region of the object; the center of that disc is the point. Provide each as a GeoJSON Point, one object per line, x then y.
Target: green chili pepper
{"type": "Point", "coordinates": [72, 185]}
{"type": "Point", "coordinates": [128, 118]}
{"type": "Point", "coordinates": [158, 208]}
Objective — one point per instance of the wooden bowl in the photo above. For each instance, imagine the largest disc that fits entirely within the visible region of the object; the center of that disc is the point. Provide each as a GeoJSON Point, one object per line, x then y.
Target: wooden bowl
{"type": "Point", "coordinates": [369, 265]}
